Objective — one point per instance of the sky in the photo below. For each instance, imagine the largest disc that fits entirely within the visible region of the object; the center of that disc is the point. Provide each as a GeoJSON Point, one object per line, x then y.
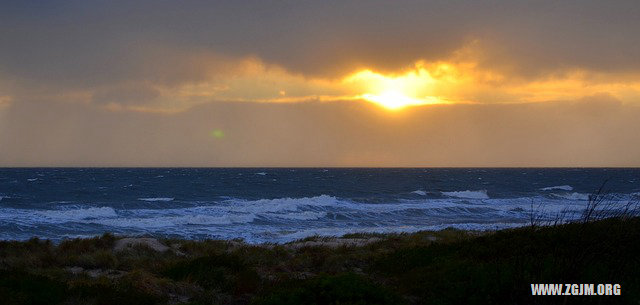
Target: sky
{"type": "Point", "coordinates": [320, 83]}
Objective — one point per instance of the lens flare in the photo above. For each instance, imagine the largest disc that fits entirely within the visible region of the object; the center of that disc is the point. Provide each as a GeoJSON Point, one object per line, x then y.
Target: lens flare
{"type": "Point", "coordinates": [217, 134]}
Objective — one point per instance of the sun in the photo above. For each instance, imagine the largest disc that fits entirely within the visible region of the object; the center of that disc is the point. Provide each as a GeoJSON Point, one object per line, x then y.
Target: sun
{"type": "Point", "coordinates": [395, 92]}
{"type": "Point", "coordinates": [392, 99]}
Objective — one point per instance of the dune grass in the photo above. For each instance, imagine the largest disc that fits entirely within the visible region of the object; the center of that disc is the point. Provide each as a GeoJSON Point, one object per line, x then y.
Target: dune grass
{"type": "Point", "coordinates": [443, 267]}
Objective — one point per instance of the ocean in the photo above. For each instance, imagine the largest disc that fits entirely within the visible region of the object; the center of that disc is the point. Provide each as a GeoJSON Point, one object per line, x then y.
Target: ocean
{"type": "Point", "coordinates": [283, 204]}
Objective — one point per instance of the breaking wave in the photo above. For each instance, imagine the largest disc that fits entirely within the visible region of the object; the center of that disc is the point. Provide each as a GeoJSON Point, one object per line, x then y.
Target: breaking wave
{"type": "Point", "coordinates": [286, 219]}
{"type": "Point", "coordinates": [481, 194]}
{"type": "Point", "coordinates": [558, 188]}
{"type": "Point", "coordinates": [572, 196]}
{"type": "Point", "coordinates": [157, 199]}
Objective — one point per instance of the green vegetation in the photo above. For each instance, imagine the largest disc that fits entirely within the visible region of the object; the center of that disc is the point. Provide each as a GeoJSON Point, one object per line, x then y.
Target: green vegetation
{"type": "Point", "coordinates": [444, 267]}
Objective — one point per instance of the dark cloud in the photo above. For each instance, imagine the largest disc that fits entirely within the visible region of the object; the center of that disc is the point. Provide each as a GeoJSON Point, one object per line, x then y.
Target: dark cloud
{"type": "Point", "coordinates": [84, 43]}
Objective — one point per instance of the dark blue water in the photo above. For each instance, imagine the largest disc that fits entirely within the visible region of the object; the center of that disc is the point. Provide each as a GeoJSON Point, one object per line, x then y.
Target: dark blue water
{"type": "Point", "coordinates": [277, 205]}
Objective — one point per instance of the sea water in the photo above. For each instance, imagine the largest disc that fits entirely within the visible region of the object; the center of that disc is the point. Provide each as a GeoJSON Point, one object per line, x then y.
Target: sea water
{"type": "Point", "coordinates": [285, 204]}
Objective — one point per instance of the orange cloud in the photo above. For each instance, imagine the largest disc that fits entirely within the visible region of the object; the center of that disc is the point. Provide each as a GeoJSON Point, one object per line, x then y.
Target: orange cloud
{"type": "Point", "coordinates": [463, 77]}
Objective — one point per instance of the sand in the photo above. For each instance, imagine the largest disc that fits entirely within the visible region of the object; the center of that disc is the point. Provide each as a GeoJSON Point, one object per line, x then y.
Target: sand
{"type": "Point", "coordinates": [128, 243]}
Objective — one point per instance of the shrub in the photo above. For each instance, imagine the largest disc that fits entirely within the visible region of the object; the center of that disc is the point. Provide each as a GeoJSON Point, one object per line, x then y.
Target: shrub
{"type": "Point", "coordinates": [223, 272]}
{"type": "Point", "coordinates": [343, 289]}
{"type": "Point", "coordinates": [20, 287]}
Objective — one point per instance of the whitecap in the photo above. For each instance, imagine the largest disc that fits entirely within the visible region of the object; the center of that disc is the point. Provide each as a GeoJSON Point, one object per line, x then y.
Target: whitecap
{"type": "Point", "coordinates": [480, 194]}
{"type": "Point", "coordinates": [558, 188]}
{"type": "Point", "coordinates": [169, 222]}
{"type": "Point", "coordinates": [157, 199]}
{"type": "Point", "coordinates": [419, 192]}
{"type": "Point", "coordinates": [306, 215]}
{"type": "Point", "coordinates": [573, 196]}
{"type": "Point", "coordinates": [279, 204]}
{"type": "Point", "coordinates": [68, 215]}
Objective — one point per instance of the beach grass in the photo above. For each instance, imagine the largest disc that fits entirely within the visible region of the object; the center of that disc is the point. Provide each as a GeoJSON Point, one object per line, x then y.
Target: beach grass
{"type": "Point", "coordinates": [440, 267]}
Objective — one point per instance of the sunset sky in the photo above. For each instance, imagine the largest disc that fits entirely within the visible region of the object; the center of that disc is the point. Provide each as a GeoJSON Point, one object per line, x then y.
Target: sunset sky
{"type": "Point", "coordinates": [320, 83]}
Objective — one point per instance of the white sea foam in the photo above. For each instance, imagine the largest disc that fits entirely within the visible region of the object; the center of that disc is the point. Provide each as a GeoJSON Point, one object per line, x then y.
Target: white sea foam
{"type": "Point", "coordinates": [573, 196]}
{"type": "Point", "coordinates": [32, 179]}
{"type": "Point", "coordinates": [261, 173]}
{"type": "Point", "coordinates": [172, 222]}
{"type": "Point", "coordinates": [280, 204]}
{"type": "Point", "coordinates": [75, 214]}
{"type": "Point", "coordinates": [419, 192]}
{"type": "Point", "coordinates": [558, 188]}
{"type": "Point", "coordinates": [480, 194]}
{"type": "Point", "coordinates": [157, 199]}
{"type": "Point", "coordinates": [307, 215]}
{"type": "Point", "coordinates": [284, 219]}
{"type": "Point", "coordinates": [333, 231]}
